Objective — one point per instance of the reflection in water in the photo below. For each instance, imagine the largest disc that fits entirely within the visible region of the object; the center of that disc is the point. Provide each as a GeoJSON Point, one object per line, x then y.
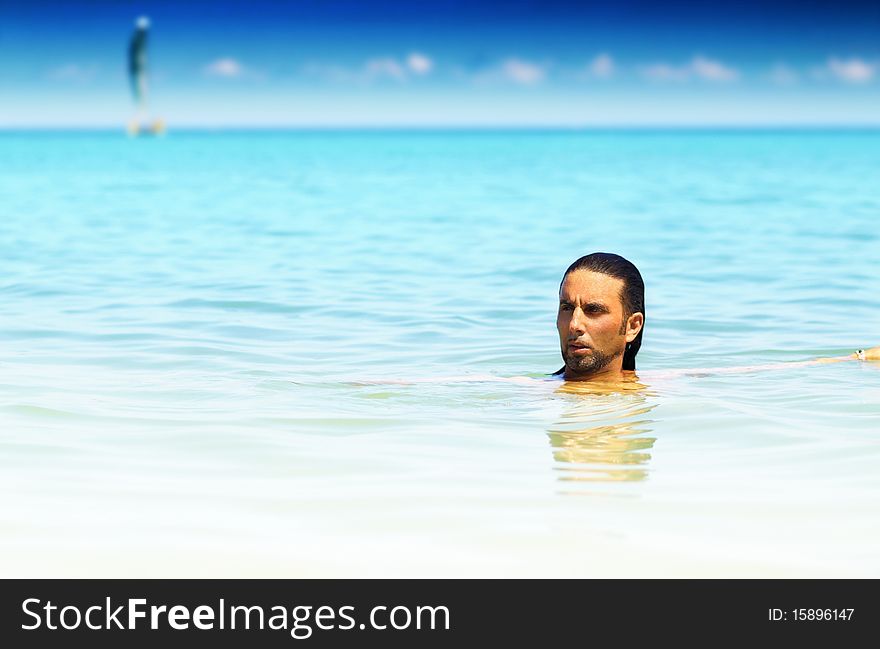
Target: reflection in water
{"type": "Point", "coordinates": [601, 437]}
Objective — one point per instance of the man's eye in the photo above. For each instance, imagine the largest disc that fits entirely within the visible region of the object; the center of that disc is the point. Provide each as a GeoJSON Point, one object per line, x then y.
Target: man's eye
{"type": "Point", "coordinates": [565, 307]}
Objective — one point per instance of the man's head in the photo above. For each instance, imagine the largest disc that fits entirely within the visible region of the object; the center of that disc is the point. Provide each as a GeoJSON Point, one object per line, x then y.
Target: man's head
{"type": "Point", "coordinates": [601, 316]}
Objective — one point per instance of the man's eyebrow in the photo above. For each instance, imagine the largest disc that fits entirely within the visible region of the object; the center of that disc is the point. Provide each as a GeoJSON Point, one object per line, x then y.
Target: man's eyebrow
{"type": "Point", "coordinates": [595, 306]}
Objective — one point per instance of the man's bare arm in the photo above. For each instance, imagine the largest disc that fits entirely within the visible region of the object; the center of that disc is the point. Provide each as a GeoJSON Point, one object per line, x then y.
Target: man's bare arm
{"type": "Point", "coordinates": [872, 354]}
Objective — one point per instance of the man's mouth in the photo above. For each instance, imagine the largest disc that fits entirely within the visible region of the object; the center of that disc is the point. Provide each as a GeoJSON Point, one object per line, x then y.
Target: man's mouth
{"type": "Point", "coordinates": [579, 349]}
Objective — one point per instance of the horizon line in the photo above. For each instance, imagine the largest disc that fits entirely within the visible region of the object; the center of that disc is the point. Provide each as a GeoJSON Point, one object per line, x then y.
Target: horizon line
{"type": "Point", "coordinates": [817, 126]}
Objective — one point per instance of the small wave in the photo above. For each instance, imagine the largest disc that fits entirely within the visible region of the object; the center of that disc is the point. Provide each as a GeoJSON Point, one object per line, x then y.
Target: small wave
{"type": "Point", "coordinates": [258, 306]}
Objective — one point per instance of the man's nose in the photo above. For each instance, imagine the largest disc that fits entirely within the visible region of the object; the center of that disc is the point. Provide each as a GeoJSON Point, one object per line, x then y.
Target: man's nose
{"type": "Point", "coordinates": [576, 325]}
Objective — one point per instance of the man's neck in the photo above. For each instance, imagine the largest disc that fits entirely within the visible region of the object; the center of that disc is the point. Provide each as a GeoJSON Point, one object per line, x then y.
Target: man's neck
{"type": "Point", "coordinates": [610, 374]}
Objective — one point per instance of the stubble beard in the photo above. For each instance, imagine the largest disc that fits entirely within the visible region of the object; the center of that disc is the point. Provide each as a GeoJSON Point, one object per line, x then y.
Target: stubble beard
{"type": "Point", "coordinates": [588, 365]}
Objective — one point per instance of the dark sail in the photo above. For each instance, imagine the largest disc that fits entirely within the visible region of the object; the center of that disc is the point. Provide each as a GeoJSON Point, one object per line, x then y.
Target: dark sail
{"type": "Point", "coordinates": [137, 60]}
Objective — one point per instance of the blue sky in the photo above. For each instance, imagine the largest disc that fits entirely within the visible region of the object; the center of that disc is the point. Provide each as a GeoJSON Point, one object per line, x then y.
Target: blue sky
{"type": "Point", "coordinates": [445, 63]}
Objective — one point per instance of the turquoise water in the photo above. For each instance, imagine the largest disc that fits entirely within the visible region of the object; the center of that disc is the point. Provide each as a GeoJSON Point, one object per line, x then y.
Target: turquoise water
{"type": "Point", "coordinates": [270, 354]}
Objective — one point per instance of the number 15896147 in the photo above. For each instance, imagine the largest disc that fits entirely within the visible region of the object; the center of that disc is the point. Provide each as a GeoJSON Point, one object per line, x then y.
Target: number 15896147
{"type": "Point", "coordinates": [810, 614]}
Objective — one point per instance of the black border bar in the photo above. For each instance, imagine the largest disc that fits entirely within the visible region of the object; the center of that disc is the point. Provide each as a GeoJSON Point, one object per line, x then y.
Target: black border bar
{"type": "Point", "coordinates": [530, 612]}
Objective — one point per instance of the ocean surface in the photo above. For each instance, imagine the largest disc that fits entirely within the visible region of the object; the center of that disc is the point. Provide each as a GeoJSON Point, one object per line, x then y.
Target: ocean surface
{"type": "Point", "coordinates": [260, 354]}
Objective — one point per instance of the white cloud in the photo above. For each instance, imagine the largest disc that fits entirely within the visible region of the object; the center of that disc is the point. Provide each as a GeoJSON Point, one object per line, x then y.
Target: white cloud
{"type": "Point", "coordinates": [384, 67]}
{"type": "Point", "coordinates": [665, 72]}
{"type": "Point", "coordinates": [375, 69]}
{"type": "Point", "coordinates": [782, 75]}
{"type": "Point", "coordinates": [74, 72]}
{"type": "Point", "coordinates": [225, 67]}
{"type": "Point", "coordinates": [602, 66]}
{"type": "Point", "coordinates": [419, 63]}
{"type": "Point", "coordinates": [523, 72]}
{"type": "Point", "coordinates": [698, 67]}
{"type": "Point", "coordinates": [852, 70]}
{"type": "Point", "coordinates": [712, 70]}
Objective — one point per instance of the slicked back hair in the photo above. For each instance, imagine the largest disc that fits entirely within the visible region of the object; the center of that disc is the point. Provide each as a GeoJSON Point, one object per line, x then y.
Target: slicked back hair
{"type": "Point", "coordinates": [632, 294]}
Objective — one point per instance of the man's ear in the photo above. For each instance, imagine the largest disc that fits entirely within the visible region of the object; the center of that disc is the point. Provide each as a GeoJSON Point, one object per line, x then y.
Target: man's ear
{"type": "Point", "coordinates": [634, 325]}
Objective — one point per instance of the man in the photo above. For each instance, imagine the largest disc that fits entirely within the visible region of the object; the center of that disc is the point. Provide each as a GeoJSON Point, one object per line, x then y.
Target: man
{"type": "Point", "coordinates": [601, 320]}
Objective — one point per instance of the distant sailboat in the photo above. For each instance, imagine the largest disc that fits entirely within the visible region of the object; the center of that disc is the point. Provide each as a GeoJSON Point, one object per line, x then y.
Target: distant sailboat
{"type": "Point", "coordinates": [141, 124]}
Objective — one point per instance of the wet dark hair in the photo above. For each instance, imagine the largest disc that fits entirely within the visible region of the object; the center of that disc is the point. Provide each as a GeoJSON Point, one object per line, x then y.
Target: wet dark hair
{"type": "Point", "coordinates": [632, 295]}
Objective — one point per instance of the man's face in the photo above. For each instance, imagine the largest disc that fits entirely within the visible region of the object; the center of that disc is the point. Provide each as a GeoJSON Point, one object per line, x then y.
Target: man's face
{"type": "Point", "coordinates": [592, 330]}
